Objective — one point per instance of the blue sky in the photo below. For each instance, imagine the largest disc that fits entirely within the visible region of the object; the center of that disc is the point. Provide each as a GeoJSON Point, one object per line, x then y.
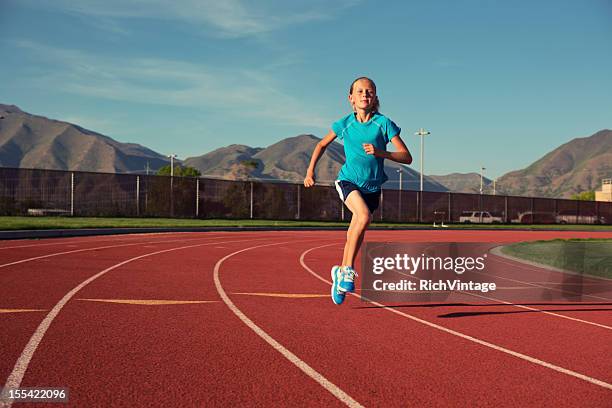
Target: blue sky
{"type": "Point", "coordinates": [498, 83]}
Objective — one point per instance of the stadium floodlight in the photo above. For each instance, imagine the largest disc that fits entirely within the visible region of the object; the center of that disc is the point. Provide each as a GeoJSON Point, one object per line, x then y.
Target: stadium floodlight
{"type": "Point", "coordinates": [422, 132]}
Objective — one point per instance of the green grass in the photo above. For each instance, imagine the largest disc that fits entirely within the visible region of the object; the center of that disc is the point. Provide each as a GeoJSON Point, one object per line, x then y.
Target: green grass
{"type": "Point", "coordinates": [35, 223]}
{"type": "Point", "coordinates": [590, 256]}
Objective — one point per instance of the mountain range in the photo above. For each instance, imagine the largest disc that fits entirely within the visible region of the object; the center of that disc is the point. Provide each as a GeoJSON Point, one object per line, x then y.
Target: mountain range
{"type": "Point", "coordinates": [465, 183]}
{"type": "Point", "coordinates": [574, 167]}
{"type": "Point", "coordinates": [32, 141]}
{"type": "Point", "coordinates": [289, 159]}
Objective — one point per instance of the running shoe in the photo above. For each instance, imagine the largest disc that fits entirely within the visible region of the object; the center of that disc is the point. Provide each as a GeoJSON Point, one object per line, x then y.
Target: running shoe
{"type": "Point", "coordinates": [347, 283]}
{"type": "Point", "coordinates": [337, 276]}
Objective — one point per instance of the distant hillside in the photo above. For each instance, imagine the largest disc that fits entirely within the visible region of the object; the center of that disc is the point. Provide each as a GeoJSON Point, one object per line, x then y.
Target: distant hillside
{"type": "Point", "coordinates": [223, 161]}
{"type": "Point", "coordinates": [289, 159]}
{"type": "Point", "coordinates": [576, 166]}
{"type": "Point", "coordinates": [465, 183]}
{"type": "Point", "coordinates": [32, 141]}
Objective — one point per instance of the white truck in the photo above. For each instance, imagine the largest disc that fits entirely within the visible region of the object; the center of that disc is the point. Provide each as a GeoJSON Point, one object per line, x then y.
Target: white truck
{"type": "Point", "coordinates": [480, 217]}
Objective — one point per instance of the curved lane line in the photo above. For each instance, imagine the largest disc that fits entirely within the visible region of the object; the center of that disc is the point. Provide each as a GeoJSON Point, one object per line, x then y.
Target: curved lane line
{"type": "Point", "coordinates": [518, 305]}
{"type": "Point", "coordinates": [542, 311]}
{"type": "Point", "coordinates": [21, 366]}
{"type": "Point", "coordinates": [93, 240]}
{"type": "Point", "coordinates": [465, 336]}
{"type": "Point", "coordinates": [95, 248]}
{"type": "Point", "coordinates": [309, 371]}
{"type": "Point", "coordinates": [522, 306]}
{"type": "Point", "coordinates": [535, 285]}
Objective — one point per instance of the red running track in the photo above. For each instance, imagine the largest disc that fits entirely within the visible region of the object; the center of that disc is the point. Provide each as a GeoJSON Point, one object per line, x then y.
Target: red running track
{"type": "Point", "coordinates": [247, 320]}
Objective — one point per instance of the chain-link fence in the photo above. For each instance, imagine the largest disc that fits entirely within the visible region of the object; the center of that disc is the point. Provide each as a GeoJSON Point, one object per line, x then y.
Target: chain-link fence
{"type": "Point", "coordinates": [54, 192]}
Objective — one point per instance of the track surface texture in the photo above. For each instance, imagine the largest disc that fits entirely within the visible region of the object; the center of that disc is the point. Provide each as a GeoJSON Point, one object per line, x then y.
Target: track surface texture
{"type": "Point", "coordinates": [245, 319]}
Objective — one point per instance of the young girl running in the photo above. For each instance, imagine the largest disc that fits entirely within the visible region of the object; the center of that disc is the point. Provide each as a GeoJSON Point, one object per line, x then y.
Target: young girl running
{"type": "Point", "coordinates": [366, 133]}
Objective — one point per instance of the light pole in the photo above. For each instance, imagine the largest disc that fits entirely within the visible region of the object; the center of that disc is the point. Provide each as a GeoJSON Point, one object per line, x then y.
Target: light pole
{"type": "Point", "coordinates": [422, 132]}
{"type": "Point", "coordinates": [494, 183]}
{"type": "Point", "coordinates": [482, 169]}
{"type": "Point", "coordinates": [172, 157]}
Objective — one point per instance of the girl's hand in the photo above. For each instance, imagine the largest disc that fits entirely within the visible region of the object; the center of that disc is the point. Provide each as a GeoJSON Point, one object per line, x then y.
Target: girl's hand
{"type": "Point", "coordinates": [309, 181]}
{"type": "Point", "coordinates": [370, 149]}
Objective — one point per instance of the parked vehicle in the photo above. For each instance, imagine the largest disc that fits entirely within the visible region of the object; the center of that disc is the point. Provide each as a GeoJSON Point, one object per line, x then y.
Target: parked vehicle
{"type": "Point", "coordinates": [570, 217]}
{"type": "Point", "coordinates": [480, 217]}
{"type": "Point", "coordinates": [535, 217]}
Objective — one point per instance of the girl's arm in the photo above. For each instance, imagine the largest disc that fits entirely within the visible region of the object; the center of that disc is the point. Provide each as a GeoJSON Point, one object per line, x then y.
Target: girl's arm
{"type": "Point", "coordinates": [402, 155]}
{"type": "Point", "coordinates": [309, 181]}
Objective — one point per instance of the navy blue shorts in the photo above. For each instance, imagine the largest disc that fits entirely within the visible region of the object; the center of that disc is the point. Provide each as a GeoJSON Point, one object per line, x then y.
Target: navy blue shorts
{"type": "Point", "coordinates": [344, 188]}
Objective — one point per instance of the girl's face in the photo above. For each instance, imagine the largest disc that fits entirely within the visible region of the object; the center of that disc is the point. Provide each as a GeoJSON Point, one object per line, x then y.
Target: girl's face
{"type": "Point", "coordinates": [363, 96]}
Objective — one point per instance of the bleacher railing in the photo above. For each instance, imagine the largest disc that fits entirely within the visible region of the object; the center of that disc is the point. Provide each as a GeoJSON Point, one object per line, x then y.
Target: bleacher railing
{"type": "Point", "coordinates": [55, 192]}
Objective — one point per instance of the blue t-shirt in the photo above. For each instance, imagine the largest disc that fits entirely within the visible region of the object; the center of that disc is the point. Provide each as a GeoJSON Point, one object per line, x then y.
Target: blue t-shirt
{"type": "Point", "coordinates": [364, 170]}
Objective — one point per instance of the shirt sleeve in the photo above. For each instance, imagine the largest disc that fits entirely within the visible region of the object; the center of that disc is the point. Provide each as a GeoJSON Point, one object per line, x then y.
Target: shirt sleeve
{"type": "Point", "coordinates": [338, 128]}
{"type": "Point", "coordinates": [392, 130]}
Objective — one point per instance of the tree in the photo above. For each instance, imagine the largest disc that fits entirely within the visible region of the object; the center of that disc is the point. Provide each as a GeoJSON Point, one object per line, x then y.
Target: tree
{"type": "Point", "coordinates": [179, 171]}
{"type": "Point", "coordinates": [584, 196]}
{"type": "Point", "coordinates": [244, 169]}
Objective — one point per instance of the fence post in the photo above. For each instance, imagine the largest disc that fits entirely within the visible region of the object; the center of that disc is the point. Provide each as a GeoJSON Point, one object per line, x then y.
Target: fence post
{"type": "Point", "coordinates": [299, 201]}
{"type": "Point", "coordinates": [197, 197]}
{"type": "Point", "coordinates": [171, 196]}
{"type": "Point", "coordinates": [418, 206]}
{"type": "Point", "coordinates": [506, 209]}
{"type": "Point", "coordinates": [72, 194]}
{"type": "Point", "coordinates": [399, 204]}
{"type": "Point", "coordinates": [450, 196]}
{"type": "Point", "coordinates": [251, 200]}
{"type": "Point", "coordinates": [137, 196]}
{"type": "Point", "coordinates": [382, 202]}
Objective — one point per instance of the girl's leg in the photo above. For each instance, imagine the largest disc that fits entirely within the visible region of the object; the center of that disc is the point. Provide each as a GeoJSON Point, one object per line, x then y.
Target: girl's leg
{"type": "Point", "coordinates": [359, 223]}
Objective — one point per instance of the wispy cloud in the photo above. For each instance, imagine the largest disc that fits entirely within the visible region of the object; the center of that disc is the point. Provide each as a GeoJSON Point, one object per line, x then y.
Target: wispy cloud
{"type": "Point", "coordinates": [239, 92]}
{"type": "Point", "coordinates": [227, 18]}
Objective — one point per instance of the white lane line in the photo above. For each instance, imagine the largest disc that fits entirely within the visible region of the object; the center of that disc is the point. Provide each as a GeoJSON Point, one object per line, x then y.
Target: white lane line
{"type": "Point", "coordinates": [67, 243]}
{"type": "Point", "coordinates": [522, 306]}
{"type": "Point", "coordinates": [94, 249]}
{"type": "Point", "coordinates": [569, 283]}
{"type": "Point", "coordinates": [499, 260]}
{"type": "Point", "coordinates": [309, 371]}
{"type": "Point", "coordinates": [544, 311]}
{"type": "Point", "coordinates": [105, 238]}
{"type": "Point", "coordinates": [21, 366]}
{"type": "Point", "coordinates": [465, 336]}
